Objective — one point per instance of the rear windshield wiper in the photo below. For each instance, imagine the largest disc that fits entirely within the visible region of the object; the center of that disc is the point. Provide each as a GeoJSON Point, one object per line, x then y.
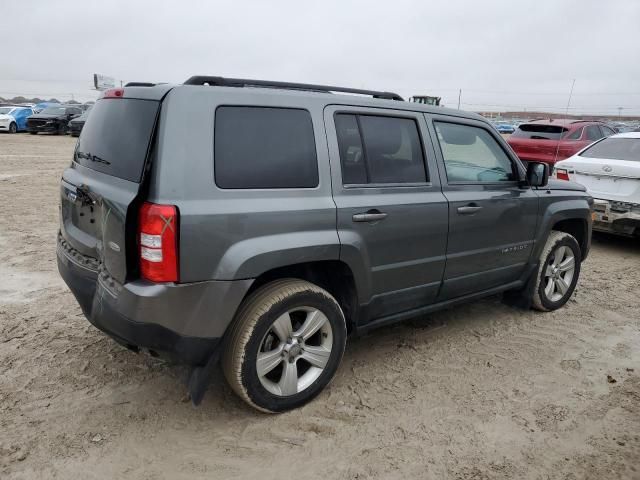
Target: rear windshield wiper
{"type": "Point", "coordinates": [92, 158]}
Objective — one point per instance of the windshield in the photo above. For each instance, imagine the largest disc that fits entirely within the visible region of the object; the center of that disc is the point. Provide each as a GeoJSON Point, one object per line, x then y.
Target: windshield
{"type": "Point", "coordinates": [53, 111]}
{"type": "Point", "coordinates": [615, 149]}
{"type": "Point", "coordinates": [6, 110]}
{"type": "Point", "coordinates": [537, 131]}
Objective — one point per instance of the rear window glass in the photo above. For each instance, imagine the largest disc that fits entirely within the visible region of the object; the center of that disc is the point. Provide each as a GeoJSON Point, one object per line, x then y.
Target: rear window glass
{"type": "Point", "coordinates": [536, 131]}
{"type": "Point", "coordinates": [615, 149]}
{"type": "Point", "coordinates": [116, 136]}
{"type": "Point", "coordinates": [262, 147]}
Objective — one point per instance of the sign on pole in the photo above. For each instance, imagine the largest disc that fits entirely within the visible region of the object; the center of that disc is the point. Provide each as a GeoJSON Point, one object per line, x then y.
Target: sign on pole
{"type": "Point", "coordinates": [102, 82]}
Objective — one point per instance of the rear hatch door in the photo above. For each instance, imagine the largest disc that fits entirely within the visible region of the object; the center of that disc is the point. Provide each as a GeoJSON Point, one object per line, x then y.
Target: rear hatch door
{"type": "Point", "coordinates": [99, 189]}
{"type": "Point", "coordinates": [538, 142]}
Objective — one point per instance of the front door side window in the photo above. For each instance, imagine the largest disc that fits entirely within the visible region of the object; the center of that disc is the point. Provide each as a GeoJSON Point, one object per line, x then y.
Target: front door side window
{"type": "Point", "coordinates": [472, 155]}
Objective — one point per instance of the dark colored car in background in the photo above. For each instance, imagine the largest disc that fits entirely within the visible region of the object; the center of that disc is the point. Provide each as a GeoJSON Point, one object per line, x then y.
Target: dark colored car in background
{"type": "Point", "coordinates": [53, 119]}
{"type": "Point", "coordinates": [552, 140]}
{"type": "Point", "coordinates": [76, 124]}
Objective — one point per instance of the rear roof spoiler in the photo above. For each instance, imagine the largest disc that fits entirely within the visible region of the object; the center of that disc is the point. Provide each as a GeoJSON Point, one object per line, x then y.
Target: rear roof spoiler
{"type": "Point", "coordinates": [242, 82]}
{"type": "Point", "coordinates": [140, 84]}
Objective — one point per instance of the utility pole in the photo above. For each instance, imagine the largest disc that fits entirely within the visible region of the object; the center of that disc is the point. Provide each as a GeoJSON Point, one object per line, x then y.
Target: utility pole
{"type": "Point", "coordinates": [619, 112]}
{"type": "Point", "coordinates": [459, 96]}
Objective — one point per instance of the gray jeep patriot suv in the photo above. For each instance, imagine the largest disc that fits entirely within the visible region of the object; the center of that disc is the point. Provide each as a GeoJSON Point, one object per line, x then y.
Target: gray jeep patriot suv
{"type": "Point", "coordinates": [260, 223]}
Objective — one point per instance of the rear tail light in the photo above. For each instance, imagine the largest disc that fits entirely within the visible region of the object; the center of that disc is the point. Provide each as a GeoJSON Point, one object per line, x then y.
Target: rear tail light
{"type": "Point", "coordinates": [562, 174]}
{"type": "Point", "coordinates": [158, 240]}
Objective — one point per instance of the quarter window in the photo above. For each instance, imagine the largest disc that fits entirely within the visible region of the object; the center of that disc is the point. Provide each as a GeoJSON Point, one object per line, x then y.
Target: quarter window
{"type": "Point", "coordinates": [260, 147]}
{"type": "Point", "coordinates": [379, 149]}
{"type": "Point", "coordinates": [472, 155]}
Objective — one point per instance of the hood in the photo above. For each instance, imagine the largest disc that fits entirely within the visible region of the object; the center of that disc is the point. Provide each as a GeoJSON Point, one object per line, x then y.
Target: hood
{"type": "Point", "coordinates": [555, 184]}
{"type": "Point", "coordinates": [6, 116]}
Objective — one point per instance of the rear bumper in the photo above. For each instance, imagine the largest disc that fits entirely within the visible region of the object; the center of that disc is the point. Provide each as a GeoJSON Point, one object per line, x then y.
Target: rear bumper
{"type": "Point", "coordinates": [183, 322]}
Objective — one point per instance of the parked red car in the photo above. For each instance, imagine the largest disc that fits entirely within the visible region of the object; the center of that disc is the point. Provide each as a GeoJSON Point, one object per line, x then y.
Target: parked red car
{"type": "Point", "coordinates": [552, 140]}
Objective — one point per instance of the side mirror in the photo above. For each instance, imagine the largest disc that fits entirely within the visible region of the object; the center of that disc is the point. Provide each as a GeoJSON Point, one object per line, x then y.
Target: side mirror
{"type": "Point", "coordinates": [537, 174]}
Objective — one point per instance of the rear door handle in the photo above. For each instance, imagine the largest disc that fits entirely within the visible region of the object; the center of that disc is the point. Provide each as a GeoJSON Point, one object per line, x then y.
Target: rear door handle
{"type": "Point", "coordinates": [469, 209]}
{"type": "Point", "coordinates": [370, 216]}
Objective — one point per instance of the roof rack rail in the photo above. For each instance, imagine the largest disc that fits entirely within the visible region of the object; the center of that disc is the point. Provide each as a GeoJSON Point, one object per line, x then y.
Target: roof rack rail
{"type": "Point", "coordinates": [241, 82]}
{"type": "Point", "coordinates": [140, 84]}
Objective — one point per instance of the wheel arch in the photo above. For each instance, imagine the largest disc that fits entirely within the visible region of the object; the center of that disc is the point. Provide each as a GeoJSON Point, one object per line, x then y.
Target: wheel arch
{"type": "Point", "coordinates": [334, 276]}
{"type": "Point", "coordinates": [572, 216]}
{"type": "Point", "coordinates": [578, 228]}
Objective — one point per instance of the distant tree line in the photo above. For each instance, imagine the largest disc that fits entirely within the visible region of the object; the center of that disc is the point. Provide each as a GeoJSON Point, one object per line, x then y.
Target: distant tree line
{"type": "Point", "coordinates": [20, 99]}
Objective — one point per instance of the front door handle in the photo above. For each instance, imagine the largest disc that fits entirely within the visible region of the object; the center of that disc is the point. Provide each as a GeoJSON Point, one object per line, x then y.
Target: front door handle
{"type": "Point", "coordinates": [370, 216]}
{"type": "Point", "coordinates": [469, 209]}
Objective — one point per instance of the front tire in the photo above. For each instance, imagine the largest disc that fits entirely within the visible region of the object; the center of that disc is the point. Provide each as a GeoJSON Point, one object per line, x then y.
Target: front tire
{"type": "Point", "coordinates": [13, 128]}
{"type": "Point", "coordinates": [558, 272]}
{"type": "Point", "coordinates": [285, 345]}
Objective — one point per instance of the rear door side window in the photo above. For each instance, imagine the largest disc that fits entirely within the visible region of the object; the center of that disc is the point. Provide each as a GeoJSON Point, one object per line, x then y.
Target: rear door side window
{"type": "Point", "coordinates": [264, 147]}
{"type": "Point", "coordinates": [379, 149]}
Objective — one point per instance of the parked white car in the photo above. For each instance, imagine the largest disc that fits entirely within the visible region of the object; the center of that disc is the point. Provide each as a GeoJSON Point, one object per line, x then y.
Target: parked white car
{"type": "Point", "coordinates": [610, 169]}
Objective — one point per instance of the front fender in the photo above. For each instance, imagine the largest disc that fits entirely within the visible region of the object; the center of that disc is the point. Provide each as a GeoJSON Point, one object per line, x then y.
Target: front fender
{"type": "Point", "coordinates": [254, 256]}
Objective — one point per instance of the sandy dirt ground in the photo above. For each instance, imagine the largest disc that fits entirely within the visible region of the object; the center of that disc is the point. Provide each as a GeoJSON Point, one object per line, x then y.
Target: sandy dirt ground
{"type": "Point", "coordinates": [481, 391]}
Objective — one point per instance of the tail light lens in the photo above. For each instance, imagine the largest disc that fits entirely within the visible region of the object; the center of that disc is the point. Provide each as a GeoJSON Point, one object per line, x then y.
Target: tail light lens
{"type": "Point", "coordinates": [158, 240]}
{"type": "Point", "coordinates": [562, 174]}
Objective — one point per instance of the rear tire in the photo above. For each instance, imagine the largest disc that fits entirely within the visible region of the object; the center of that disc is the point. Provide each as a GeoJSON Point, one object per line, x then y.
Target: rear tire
{"type": "Point", "coordinates": [558, 272]}
{"type": "Point", "coordinates": [33, 133]}
{"type": "Point", "coordinates": [284, 346]}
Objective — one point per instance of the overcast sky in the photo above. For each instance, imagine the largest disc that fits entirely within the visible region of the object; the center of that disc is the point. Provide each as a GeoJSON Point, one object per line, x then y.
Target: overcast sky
{"type": "Point", "coordinates": [504, 55]}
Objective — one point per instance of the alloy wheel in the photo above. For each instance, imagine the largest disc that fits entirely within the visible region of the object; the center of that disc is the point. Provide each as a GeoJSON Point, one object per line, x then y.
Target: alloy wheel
{"type": "Point", "coordinates": [559, 273]}
{"type": "Point", "coordinates": [294, 352]}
